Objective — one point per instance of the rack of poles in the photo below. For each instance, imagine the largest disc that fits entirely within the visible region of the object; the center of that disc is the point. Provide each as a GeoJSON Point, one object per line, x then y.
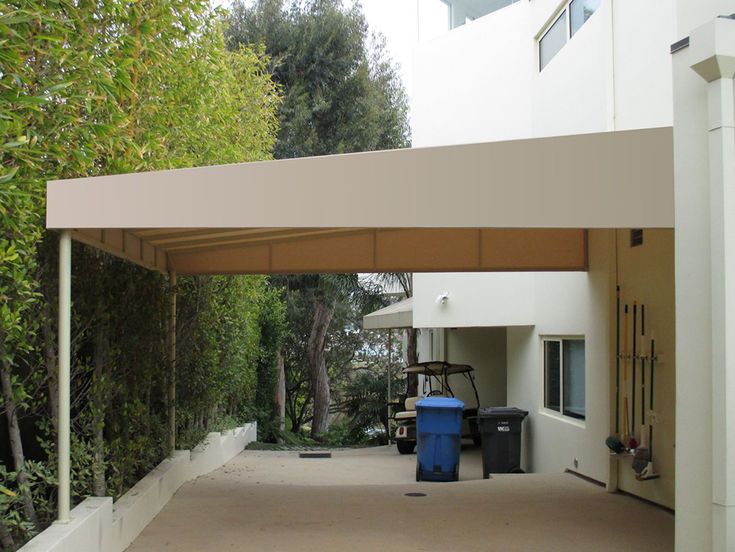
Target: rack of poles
{"type": "Point", "coordinates": [625, 440]}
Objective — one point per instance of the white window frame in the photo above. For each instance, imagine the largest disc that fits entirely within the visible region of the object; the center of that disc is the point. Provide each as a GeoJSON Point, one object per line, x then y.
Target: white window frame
{"type": "Point", "coordinates": [559, 414]}
{"type": "Point", "coordinates": [565, 7]}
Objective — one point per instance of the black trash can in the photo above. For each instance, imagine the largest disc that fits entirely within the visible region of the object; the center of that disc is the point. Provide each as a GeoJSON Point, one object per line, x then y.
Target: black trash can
{"type": "Point", "coordinates": [500, 428]}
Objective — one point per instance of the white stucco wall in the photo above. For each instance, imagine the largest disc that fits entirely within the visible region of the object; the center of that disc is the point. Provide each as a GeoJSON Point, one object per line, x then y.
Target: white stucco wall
{"type": "Point", "coordinates": [485, 350]}
{"type": "Point", "coordinates": [570, 95]}
{"type": "Point", "coordinates": [646, 276]}
{"type": "Point", "coordinates": [633, 77]}
{"type": "Point", "coordinates": [567, 304]}
{"type": "Point", "coordinates": [482, 348]}
{"type": "Point", "coordinates": [474, 299]}
{"type": "Point", "coordinates": [99, 525]}
{"type": "Point", "coordinates": [642, 77]}
{"type": "Point", "coordinates": [615, 73]}
{"type": "Point", "coordinates": [464, 78]}
{"type": "Point", "coordinates": [480, 82]}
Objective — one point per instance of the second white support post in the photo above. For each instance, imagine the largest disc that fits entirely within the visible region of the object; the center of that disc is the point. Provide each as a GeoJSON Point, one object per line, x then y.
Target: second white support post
{"type": "Point", "coordinates": [64, 415]}
{"type": "Point", "coordinates": [390, 375]}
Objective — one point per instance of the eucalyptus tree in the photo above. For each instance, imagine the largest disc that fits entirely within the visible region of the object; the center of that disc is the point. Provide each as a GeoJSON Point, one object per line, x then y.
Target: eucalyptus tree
{"type": "Point", "coordinates": [341, 93]}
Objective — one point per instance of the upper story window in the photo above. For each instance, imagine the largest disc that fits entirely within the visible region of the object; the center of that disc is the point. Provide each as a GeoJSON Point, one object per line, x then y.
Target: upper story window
{"type": "Point", "coordinates": [580, 11]}
{"type": "Point", "coordinates": [455, 13]}
{"type": "Point", "coordinates": [553, 40]}
{"type": "Point", "coordinates": [574, 14]}
{"type": "Point", "coordinates": [463, 11]}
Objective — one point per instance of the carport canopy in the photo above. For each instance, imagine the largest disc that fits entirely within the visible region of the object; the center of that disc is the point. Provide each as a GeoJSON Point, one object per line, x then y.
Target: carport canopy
{"type": "Point", "coordinates": [517, 205]}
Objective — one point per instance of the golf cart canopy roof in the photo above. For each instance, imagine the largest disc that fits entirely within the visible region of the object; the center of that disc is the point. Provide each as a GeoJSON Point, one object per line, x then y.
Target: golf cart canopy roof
{"type": "Point", "coordinates": [437, 368]}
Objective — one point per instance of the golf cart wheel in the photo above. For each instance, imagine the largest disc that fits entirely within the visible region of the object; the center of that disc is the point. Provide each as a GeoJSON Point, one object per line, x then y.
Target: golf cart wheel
{"type": "Point", "coordinates": [418, 472]}
{"type": "Point", "coordinates": [516, 470]}
{"type": "Point", "coordinates": [405, 447]}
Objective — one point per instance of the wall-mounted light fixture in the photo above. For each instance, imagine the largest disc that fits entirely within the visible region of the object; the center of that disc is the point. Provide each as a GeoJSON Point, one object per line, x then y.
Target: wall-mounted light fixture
{"type": "Point", "coordinates": [442, 298]}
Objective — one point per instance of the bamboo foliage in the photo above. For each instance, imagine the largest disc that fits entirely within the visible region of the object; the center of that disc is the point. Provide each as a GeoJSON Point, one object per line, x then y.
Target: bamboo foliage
{"type": "Point", "coordinates": [90, 87]}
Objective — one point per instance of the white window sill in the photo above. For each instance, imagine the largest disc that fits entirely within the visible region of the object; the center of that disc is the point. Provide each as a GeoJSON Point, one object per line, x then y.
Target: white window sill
{"type": "Point", "coordinates": [559, 417]}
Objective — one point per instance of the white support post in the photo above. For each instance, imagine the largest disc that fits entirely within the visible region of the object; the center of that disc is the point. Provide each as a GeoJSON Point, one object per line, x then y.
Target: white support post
{"type": "Point", "coordinates": [64, 433]}
{"type": "Point", "coordinates": [172, 362]}
{"type": "Point", "coordinates": [713, 51]}
{"type": "Point", "coordinates": [390, 374]}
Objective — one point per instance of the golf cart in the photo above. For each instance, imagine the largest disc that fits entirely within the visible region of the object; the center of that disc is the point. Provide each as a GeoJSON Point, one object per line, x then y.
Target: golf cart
{"type": "Point", "coordinates": [436, 383]}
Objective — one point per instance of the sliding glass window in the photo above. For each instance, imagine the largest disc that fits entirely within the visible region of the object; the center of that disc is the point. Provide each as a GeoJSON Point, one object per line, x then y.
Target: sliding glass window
{"type": "Point", "coordinates": [580, 11]}
{"type": "Point", "coordinates": [553, 40]}
{"type": "Point", "coordinates": [568, 22]}
{"type": "Point", "coordinates": [564, 376]}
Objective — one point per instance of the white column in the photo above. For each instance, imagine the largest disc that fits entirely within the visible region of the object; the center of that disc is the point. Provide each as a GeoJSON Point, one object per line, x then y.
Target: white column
{"type": "Point", "coordinates": [64, 494]}
{"type": "Point", "coordinates": [390, 374]}
{"type": "Point", "coordinates": [713, 54]}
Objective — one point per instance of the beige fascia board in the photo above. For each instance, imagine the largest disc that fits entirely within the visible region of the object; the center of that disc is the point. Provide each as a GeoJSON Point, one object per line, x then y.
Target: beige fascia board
{"type": "Point", "coordinates": [606, 180]}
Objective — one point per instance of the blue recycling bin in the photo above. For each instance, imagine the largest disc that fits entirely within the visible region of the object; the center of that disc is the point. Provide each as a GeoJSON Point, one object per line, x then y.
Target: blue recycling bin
{"type": "Point", "coordinates": [438, 438]}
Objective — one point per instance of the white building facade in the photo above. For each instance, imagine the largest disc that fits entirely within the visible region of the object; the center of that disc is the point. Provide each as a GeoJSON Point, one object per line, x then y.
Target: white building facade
{"type": "Point", "coordinates": [532, 68]}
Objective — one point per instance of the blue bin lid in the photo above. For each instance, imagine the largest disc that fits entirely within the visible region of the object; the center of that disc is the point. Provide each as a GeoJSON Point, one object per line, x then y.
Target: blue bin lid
{"type": "Point", "coordinates": [440, 402]}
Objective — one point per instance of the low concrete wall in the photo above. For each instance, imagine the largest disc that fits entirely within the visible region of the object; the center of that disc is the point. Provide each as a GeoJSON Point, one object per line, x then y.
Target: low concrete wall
{"type": "Point", "coordinates": [98, 525]}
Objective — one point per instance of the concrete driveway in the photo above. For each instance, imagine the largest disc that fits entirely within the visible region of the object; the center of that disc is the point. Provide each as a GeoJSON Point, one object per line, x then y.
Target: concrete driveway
{"type": "Point", "coordinates": [356, 501]}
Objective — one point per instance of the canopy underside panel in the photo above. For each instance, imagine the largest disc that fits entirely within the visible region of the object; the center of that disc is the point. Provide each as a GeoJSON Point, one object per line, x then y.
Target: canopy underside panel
{"type": "Point", "coordinates": [283, 250]}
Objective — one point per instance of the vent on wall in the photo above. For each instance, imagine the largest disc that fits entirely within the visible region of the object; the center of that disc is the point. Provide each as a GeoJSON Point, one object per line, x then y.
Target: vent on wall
{"type": "Point", "coordinates": [636, 237]}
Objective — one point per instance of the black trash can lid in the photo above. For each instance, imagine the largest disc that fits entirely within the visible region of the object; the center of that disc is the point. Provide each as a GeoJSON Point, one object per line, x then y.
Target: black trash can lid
{"type": "Point", "coordinates": [501, 412]}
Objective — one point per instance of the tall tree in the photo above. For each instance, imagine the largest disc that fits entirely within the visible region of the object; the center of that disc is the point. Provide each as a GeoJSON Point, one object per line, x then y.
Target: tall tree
{"type": "Point", "coordinates": [341, 93]}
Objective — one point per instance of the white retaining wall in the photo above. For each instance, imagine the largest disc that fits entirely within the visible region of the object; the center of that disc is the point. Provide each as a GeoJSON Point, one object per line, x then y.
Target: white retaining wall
{"type": "Point", "coordinates": [98, 525]}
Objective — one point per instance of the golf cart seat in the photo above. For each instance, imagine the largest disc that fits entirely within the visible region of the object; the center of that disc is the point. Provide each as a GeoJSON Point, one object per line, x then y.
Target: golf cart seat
{"type": "Point", "coordinates": [410, 409]}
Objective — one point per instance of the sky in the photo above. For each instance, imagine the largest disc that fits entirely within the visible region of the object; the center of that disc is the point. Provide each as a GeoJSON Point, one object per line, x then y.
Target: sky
{"type": "Point", "coordinates": [398, 21]}
{"type": "Point", "coordinates": [404, 23]}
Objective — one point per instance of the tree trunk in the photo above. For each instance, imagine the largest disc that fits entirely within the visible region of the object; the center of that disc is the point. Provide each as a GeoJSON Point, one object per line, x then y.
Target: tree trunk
{"type": "Point", "coordinates": [6, 539]}
{"type": "Point", "coordinates": [52, 369]}
{"type": "Point", "coordinates": [279, 398]}
{"type": "Point", "coordinates": [317, 364]}
{"type": "Point", "coordinates": [16, 444]}
{"type": "Point", "coordinates": [99, 402]}
{"type": "Point", "coordinates": [412, 357]}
